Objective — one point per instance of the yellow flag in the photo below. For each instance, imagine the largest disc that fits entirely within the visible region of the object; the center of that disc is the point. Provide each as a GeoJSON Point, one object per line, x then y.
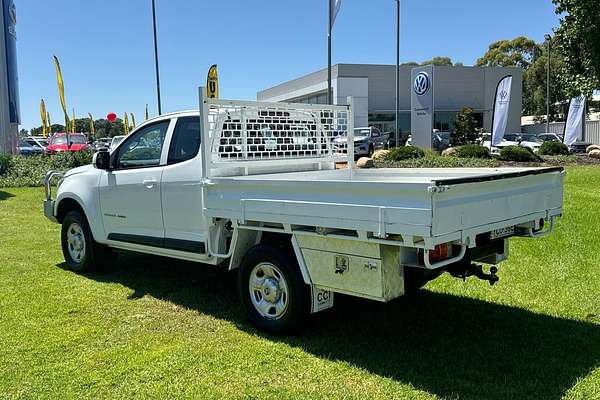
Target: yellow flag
{"type": "Point", "coordinates": [132, 120]}
{"type": "Point", "coordinates": [61, 92]}
{"type": "Point", "coordinates": [92, 127]}
{"type": "Point", "coordinates": [126, 125]}
{"type": "Point", "coordinates": [43, 115]}
{"type": "Point", "coordinates": [212, 83]}
{"type": "Point", "coordinates": [73, 122]}
{"type": "Point", "coordinates": [49, 123]}
{"type": "Point", "coordinates": [146, 110]}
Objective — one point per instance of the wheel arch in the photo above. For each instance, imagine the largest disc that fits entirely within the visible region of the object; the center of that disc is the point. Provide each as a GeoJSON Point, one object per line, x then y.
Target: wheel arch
{"type": "Point", "coordinates": [66, 205]}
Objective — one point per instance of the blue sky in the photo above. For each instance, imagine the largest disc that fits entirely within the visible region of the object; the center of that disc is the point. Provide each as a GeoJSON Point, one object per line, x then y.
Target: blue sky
{"type": "Point", "coordinates": [106, 52]}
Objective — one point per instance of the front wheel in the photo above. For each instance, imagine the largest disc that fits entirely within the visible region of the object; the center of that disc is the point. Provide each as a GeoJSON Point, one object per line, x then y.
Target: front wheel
{"type": "Point", "coordinates": [272, 291]}
{"type": "Point", "coordinates": [81, 252]}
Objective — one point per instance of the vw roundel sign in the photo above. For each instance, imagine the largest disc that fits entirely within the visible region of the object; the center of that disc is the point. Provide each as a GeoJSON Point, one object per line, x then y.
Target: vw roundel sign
{"type": "Point", "coordinates": [421, 84]}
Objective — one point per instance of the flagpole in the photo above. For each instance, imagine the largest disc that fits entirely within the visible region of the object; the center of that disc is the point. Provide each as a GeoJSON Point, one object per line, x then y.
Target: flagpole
{"type": "Point", "coordinates": [156, 56]}
{"type": "Point", "coordinates": [329, 94]}
{"type": "Point", "coordinates": [397, 73]}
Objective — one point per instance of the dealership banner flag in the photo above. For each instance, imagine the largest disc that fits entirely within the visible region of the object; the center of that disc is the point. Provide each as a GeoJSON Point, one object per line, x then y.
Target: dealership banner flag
{"type": "Point", "coordinates": [132, 120]}
{"type": "Point", "coordinates": [575, 120]}
{"type": "Point", "coordinates": [335, 9]}
{"type": "Point", "coordinates": [212, 82]}
{"type": "Point", "coordinates": [501, 107]}
{"type": "Point", "coordinates": [49, 123]}
{"type": "Point", "coordinates": [61, 92]}
{"type": "Point", "coordinates": [92, 127]}
{"type": "Point", "coordinates": [44, 120]}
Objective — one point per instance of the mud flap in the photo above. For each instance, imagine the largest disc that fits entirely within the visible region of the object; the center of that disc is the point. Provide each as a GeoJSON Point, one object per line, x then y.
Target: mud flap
{"type": "Point", "coordinates": [320, 299]}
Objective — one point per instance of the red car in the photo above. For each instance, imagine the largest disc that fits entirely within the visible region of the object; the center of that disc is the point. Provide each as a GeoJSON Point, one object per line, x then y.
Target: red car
{"type": "Point", "coordinates": [58, 143]}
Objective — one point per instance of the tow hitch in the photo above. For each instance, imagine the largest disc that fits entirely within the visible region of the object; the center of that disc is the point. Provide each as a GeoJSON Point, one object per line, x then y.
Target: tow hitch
{"type": "Point", "coordinates": [476, 270]}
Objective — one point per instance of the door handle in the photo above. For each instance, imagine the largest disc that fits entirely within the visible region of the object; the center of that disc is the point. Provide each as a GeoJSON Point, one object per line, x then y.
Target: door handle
{"type": "Point", "coordinates": [149, 183]}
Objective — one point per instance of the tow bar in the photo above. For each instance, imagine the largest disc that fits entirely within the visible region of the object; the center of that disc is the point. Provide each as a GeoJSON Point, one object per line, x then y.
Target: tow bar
{"type": "Point", "coordinates": [476, 270]}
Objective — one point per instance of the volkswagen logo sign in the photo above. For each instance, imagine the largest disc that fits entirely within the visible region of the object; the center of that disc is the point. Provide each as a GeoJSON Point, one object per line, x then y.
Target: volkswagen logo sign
{"type": "Point", "coordinates": [421, 84]}
{"type": "Point", "coordinates": [503, 94]}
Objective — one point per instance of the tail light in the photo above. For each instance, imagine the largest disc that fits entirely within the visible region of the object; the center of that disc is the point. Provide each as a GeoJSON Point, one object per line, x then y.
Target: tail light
{"type": "Point", "coordinates": [439, 253]}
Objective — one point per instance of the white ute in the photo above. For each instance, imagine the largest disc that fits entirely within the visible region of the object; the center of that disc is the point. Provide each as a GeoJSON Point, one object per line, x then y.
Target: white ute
{"type": "Point", "coordinates": [254, 187]}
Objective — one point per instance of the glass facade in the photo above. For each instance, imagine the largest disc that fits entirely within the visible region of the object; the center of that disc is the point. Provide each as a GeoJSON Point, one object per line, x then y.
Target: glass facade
{"type": "Point", "coordinates": [444, 120]}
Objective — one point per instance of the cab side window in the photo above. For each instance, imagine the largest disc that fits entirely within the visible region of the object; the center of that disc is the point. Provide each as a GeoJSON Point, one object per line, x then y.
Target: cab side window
{"type": "Point", "coordinates": [144, 147]}
{"type": "Point", "coordinates": [185, 142]}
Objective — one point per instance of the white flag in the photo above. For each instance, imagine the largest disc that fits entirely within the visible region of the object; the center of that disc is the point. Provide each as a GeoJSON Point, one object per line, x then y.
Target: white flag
{"type": "Point", "coordinates": [335, 9]}
{"type": "Point", "coordinates": [575, 120]}
{"type": "Point", "coordinates": [501, 107]}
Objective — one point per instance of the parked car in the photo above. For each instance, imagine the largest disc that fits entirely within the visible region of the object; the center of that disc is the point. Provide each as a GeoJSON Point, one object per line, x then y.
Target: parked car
{"type": "Point", "coordinates": [102, 143]}
{"type": "Point", "coordinates": [30, 147]}
{"type": "Point", "coordinates": [507, 140]}
{"type": "Point", "coordinates": [579, 147]}
{"type": "Point", "coordinates": [366, 140]}
{"type": "Point", "coordinates": [549, 137]}
{"type": "Point", "coordinates": [530, 141]}
{"type": "Point", "coordinates": [440, 140]}
{"type": "Point", "coordinates": [115, 142]}
{"type": "Point", "coordinates": [295, 229]}
{"type": "Point", "coordinates": [60, 142]}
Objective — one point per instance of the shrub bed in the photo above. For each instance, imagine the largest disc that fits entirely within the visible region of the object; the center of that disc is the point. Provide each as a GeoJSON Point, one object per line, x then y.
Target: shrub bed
{"type": "Point", "coordinates": [553, 149]}
{"type": "Point", "coordinates": [473, 151]}
{"type": "Point", "coordinates": [518, 153]}
{"type": "Point", "coordinates": [21, 171]}
{"type": "Point", "coordinates": [404, 153]}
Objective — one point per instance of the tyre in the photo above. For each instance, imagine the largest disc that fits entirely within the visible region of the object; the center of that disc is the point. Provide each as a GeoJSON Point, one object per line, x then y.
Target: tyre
{"type": "Point", "coordinates": [81, 252]}
{"type": "Point", "coordinates": [273, 293]}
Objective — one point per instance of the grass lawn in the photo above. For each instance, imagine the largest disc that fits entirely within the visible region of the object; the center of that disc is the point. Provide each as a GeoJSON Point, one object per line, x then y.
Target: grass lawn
{"type": "Point", "coordinates": [154, 328]}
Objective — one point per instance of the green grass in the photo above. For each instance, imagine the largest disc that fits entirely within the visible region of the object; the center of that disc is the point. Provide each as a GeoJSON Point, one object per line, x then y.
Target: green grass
{"type": "Point", "coordinates": [155, 328]}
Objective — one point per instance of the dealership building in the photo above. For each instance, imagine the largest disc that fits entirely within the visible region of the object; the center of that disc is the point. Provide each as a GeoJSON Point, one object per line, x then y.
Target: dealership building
{"type": "Point", "coordinates": [430, 96]}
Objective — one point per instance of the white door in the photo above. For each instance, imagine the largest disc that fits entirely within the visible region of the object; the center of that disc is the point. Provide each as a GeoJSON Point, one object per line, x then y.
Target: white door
{"type": "Point", "coordinates": [185, 227]}
{"type": "Point", "coordinates": [130, 193]}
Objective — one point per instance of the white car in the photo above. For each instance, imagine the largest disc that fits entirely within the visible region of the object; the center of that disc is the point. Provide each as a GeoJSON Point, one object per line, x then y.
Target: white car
{"type": "Point", "coordinates": [507, 140]}
{"type": "Point", "coordinates": [115, 141]}
{"type": "Point", "coordinates": [295, 228]}
{"type": "Point", "coordinates": [531, 141]}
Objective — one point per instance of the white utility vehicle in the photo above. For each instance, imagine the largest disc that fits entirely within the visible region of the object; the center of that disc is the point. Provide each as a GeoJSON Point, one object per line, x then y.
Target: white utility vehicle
{"type": "Point", "coordinates": [254, 187]}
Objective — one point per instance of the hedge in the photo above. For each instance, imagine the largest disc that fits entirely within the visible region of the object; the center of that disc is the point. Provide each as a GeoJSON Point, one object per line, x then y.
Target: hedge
{"type": "Point", "coordinates": [554, 149]}
{"type": "Point", "coordinates": [22, 171]}
{"type": "Point", "coordinates": [519, 154]}
{"type": "Point", "coordinates": [473, 151]}
{"type": "Point", "coordinates": [404, 153]}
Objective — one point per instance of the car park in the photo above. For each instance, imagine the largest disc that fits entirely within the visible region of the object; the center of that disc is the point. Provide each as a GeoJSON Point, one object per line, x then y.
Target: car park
{"type": "Point", "coordinates": [201, 186]}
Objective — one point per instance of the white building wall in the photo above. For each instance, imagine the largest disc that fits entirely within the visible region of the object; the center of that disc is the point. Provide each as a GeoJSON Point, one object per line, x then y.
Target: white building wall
{"type": "Point", "coordinates": [357, 88]}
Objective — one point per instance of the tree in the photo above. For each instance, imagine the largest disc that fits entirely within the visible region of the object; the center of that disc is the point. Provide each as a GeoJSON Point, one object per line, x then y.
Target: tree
{"type": "Point", "coordinates": [439, 61]}
{"type": "Point", "coordinates": [518, 52]}
{"type": "Point", "coordinates": [53, 129]}
{"type": "Point", "coordinates": [534, 85]}
{"type": "Point", "coordinates": [411, 64]}
{"type": "Point", "coordinates": [578, 39]}
{"type": "Point", "coordinates": [464, 128]}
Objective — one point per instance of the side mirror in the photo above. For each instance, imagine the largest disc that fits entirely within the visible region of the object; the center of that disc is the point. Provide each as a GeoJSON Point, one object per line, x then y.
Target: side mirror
{"type": "Point", "coordinates": [102, 160]}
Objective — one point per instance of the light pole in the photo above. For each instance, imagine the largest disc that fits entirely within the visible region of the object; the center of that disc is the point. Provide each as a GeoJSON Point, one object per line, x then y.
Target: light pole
{"type": "Point", "coordinates": [397, 137]}
{"type": "Point", "coordinates": [548, 41]}
{"type": "Point", "coordinates": [156, 57]}
{"type": "Point", "coordinates": [330, 17]}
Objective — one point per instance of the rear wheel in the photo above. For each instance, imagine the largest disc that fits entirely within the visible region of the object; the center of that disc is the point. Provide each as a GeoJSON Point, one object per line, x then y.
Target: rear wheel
{"type": "Point", "coordinates": [272, 291]}
{"type": "Point", "coordinates": [81, 252]}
